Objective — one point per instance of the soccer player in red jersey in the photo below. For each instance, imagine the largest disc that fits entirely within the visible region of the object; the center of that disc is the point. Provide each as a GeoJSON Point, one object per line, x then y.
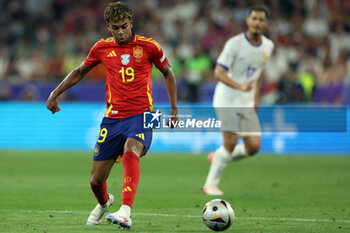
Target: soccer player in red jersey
{"type": "Point", "coordinates": [128, 60]}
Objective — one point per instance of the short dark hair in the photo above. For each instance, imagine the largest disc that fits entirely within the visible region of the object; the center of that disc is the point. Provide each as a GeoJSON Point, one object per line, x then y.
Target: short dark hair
{"type": "Point", "coordinates": [260, 8]}
{"type": "Point", "coordinates": [116, 11]}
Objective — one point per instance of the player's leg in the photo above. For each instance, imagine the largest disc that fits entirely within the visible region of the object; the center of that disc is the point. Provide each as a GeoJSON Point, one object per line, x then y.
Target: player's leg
{"type": "Point", "coordinates": [137, 144]}
{"type": "Point", "coordinates": [250, 147]}
{"type": "Point", "coordinates": [230, 140]}
{"type": "Point", "coordinates": [99, 174]}
{"type": "Point", "coordinates": [133, 151]}
{"type": "Point", "coordinates": [220, 160]}
{"type": "Point", "coordinates": [108, 146]}
{"type": "Point", "coordinates": [252, 144]}
{"type": "Point", "coordinates": [251, 134]}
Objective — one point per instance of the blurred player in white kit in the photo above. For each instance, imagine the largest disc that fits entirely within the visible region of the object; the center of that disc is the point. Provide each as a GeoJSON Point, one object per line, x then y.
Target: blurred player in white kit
{"type": "Point", "coordinates": [239, 71]}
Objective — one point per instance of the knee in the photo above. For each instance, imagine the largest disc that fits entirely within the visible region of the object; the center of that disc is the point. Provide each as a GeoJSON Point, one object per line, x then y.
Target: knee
{"type": "Point", "coordinates": [134, 146]}
{"type": "Point", "coordinates": [229, 146]}
{"type": "Point", "coordinates": [253, 149]}
{"type": "Point", "coordinates": [230, 141]}
{"type": "Point", "coordinates": [95, 179]}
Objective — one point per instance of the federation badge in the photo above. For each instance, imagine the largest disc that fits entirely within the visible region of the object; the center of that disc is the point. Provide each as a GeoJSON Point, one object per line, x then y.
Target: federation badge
{"type": "Point", "coordinates": [125, 58]}
{"type": "Point", "coordinates": [265, 58]}
{"type": "Point", "coordinates": [137, 53]}
{"type": "Point", "coordinates": [97, 150]}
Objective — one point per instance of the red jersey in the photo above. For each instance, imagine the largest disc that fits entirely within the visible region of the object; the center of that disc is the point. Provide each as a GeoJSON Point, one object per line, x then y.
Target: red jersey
{"type": "Point", "coordinates": [128, 68]}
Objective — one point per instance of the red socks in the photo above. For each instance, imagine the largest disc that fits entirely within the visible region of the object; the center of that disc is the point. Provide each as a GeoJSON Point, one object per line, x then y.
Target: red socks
{"type": "Point", "coordinates": [131, 177]}
{"type": "Point", "coordinates": [100, 191]}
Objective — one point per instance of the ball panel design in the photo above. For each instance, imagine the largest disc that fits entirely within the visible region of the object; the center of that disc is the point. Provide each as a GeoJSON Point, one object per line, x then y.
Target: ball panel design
{"type": "Point", "coordinates": [218, 215]}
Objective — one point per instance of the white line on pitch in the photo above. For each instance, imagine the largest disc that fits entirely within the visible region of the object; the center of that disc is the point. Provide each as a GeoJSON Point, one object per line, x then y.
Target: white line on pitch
{"type": "Point", "coordinates": [186, 216]}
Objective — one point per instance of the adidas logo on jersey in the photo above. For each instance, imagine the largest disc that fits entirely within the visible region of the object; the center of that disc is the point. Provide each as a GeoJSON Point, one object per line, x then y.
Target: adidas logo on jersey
{"type": "Point", "coordinates": [140, 135]}
{"type": "Point", "coordinates": [112, 54]}
{"type": "Point", "coordinates": [127, 189]}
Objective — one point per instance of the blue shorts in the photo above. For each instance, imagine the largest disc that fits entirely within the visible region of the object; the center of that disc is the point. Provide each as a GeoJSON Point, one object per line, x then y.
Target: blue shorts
{"type": "Point", "coordinates": [114, 133]}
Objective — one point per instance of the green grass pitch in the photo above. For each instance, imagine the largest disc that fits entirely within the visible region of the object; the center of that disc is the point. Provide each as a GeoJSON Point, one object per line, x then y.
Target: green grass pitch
{"type": "Point", "coordinates": [50, 192]}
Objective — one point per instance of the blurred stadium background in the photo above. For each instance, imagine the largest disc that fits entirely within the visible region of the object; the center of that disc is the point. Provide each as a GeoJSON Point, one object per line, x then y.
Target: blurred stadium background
{"type": "Point", "coordinates": [42, 40]}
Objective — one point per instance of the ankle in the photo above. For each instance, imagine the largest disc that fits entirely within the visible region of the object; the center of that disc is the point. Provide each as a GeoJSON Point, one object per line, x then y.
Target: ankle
{"type": "Point", "coordinates": [125, 209]}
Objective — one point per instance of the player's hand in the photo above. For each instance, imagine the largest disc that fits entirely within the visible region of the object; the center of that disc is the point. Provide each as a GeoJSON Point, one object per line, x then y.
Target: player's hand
{"type": "Point", "coordinates": [256, 107]}
{"type": "Point", "coordinates": [174, 118]}
{"type": "Point", "coordinates": [247, 86]}
{"type": "Point", "coordinates": [52, 104]}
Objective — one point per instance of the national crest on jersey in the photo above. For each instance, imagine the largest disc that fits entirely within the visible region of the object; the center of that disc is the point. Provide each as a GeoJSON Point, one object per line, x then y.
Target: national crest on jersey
{"type": "Point", "coordinates": [137, 53]}
{"type": "Point", "coordinates": [128, 73]}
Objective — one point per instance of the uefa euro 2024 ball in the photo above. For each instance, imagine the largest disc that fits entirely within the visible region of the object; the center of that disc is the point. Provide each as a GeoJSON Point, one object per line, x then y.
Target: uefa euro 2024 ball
{"type": "Point", "coordinates": [218, 215]}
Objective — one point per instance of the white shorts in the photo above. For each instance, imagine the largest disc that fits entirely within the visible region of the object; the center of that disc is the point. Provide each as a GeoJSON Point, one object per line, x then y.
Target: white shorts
{"type": "Point", "coordinates": [242, 121]}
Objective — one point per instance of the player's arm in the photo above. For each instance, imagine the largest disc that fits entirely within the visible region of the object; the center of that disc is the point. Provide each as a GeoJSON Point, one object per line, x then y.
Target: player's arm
{"type": "Point", "coordinates": [70, 80]}
{"type": "Point", "coordinates": [170, 85]}
{"type": "Point", "coordinates": [257, 91]}
{"type": "Point", "coordinates": [220, 74]}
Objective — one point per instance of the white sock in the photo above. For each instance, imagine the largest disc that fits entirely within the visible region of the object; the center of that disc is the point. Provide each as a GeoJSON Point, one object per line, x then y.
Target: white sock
{"type": "Point", "coordinates": [125, 210]}
{"type": "Point", "coordinates": [221, 159]}
{"type": "Point", "coordinates": [239, 152]}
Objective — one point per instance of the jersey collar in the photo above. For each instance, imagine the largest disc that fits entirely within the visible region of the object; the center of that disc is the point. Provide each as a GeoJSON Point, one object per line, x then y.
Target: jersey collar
{"type": "Point", "coordinates": [255, 45]}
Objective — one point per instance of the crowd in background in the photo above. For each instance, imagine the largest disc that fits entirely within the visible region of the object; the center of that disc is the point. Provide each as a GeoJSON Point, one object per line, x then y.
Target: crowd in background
{"type": "Point", "coordinates": [42, 40]}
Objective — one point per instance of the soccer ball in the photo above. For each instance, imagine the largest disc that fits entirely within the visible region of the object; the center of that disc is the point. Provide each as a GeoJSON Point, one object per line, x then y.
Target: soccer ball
{"type": "Point", "coordinates": [218, 215]}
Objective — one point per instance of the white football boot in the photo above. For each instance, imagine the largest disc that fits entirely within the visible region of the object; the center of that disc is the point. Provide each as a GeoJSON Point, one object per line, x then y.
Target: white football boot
{"type": "Point", "coordinates": [120, 218]}
{"type": "Point", "coordinates": [97, 213]}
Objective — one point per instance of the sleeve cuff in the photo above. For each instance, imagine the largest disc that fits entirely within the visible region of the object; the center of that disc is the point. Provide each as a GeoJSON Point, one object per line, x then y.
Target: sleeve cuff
{"type": "Point", "coordinates": [222, 65]}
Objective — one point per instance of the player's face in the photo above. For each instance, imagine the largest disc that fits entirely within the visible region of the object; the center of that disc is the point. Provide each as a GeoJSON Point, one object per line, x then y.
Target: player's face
{"type": "Point", "coordinates": [257, 22]}
{"type": "Point", "coordinates": [121, 30]}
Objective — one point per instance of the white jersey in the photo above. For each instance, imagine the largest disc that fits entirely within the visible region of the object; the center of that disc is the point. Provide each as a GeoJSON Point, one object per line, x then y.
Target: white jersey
{"type": "Point", "coordinates": [244, 62]}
